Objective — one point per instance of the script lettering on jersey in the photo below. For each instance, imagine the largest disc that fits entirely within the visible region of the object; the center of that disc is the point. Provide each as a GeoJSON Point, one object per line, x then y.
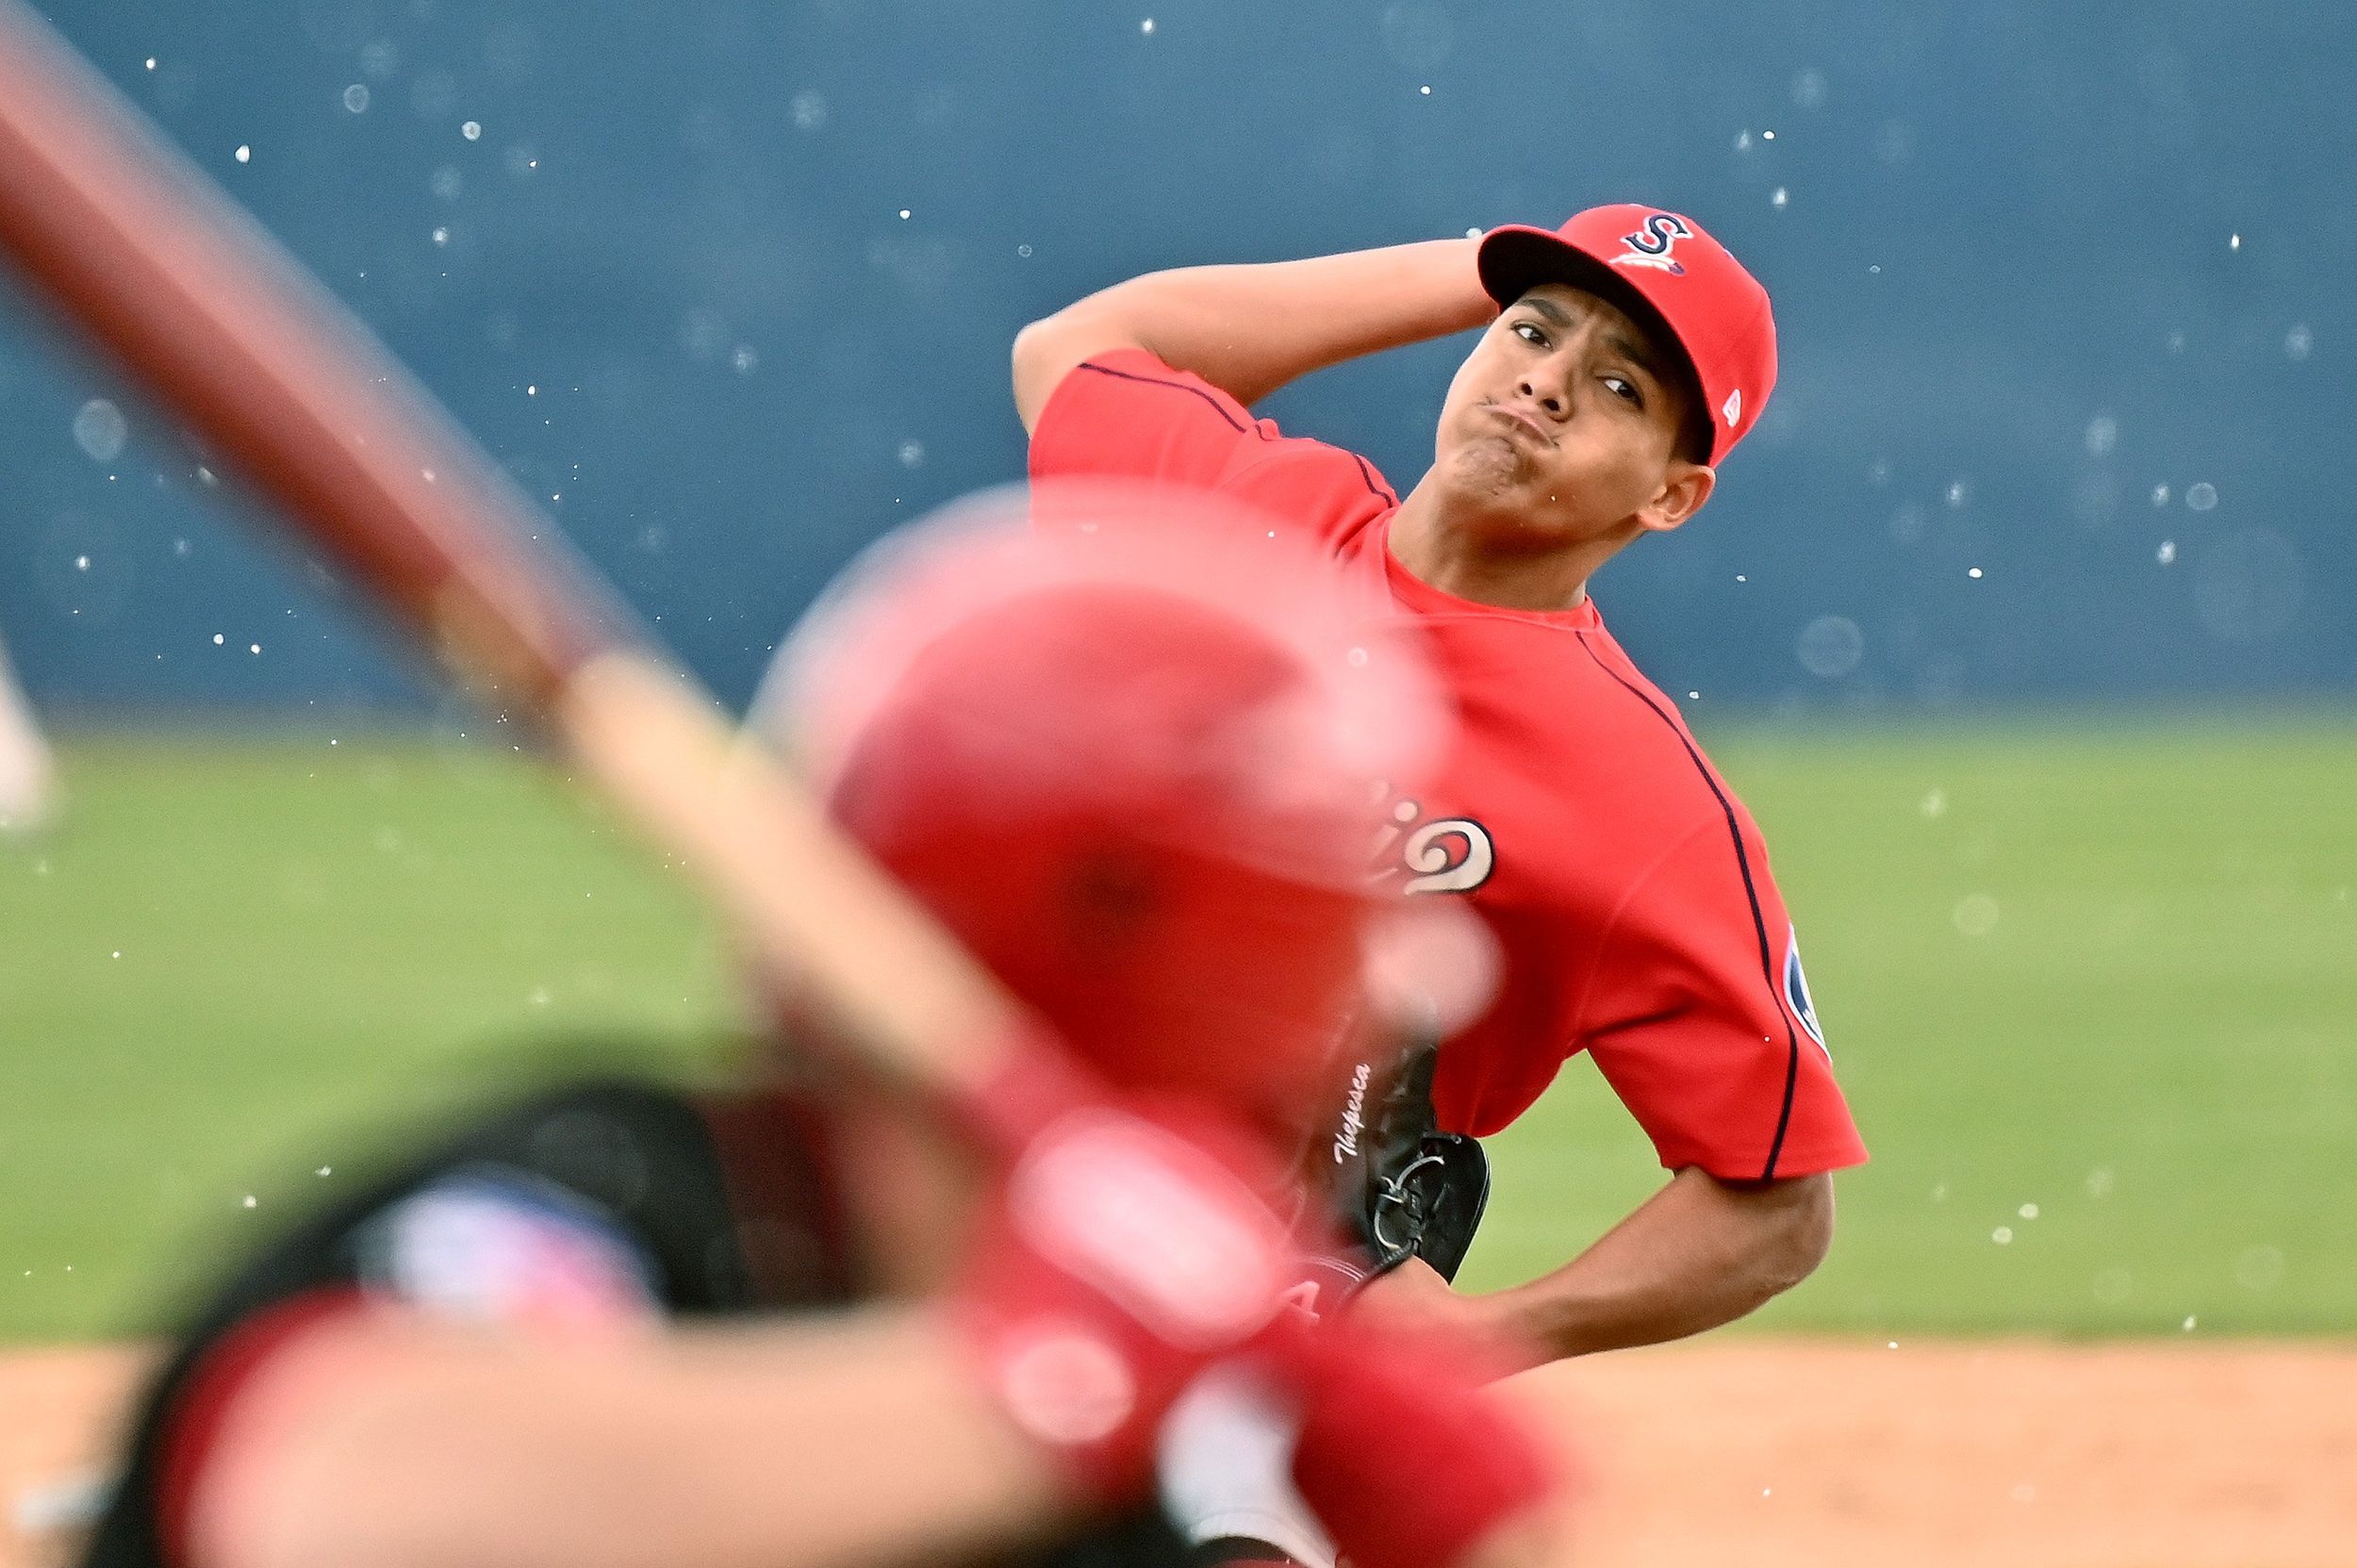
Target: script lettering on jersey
{"type": "Point", "coordinates": [1448, 854]}
{"type": "Point", "coordinates": [1354, 1114]}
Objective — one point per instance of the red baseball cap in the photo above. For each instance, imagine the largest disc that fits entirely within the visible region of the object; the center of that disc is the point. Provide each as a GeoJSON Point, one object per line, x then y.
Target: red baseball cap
{"type": "Point", "coordinates": [1661, 268]}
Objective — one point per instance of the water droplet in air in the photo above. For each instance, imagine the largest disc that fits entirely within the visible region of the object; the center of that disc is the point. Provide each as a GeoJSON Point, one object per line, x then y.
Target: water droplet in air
{"type": "Point", "coordinates": [904, 212]}
{"type": "Point", "coordinates": [1935, 803]}
{"type": "Point", "coordinates": [244, 153]}
{"type": "Point", "coordinates": [151, 62]}
{"type": "Point", "coordinates": [1778, 196]}
{"type": "Point", "coordinates": [1742, 141]}
{"type": "Point", "coordinates": [100, 430]}
{"type": "Point", "coordinates": [2200, 497]}
{"type": "Point", "coordinates": [2190, 1321]}
{"type": "Point", "coordinates": [809, 110]}
{"type": "Point", "coordinates": [1146, 26]}
{"type": "Point", "coordinates": [2028, 1210]}
{"type": "Point", "coordinates": [1426, 91]}
{"type": "Point", "coordinates": [1830, 647]}
{"type": "Point", "coordinates": [324, 1170]}
{"type": "Point", "coordinates": [2102, 435]}
{"type": "Point", "coordinates": [1767, 136]}
{"type": "Point", "coordinates": [1974, 573]}
{"type": "Point", "coordinates": [254, 648]}
{"type": "Point", "coordinates": [218, 639]}
{"type": "Point", "coordinates": [1959, 492]}
{"type": "Point", "coordinates": [472, 130]}
{"type": "Point", "coordinates": [357, 97]}
{"type": "Point", "coordinates": [81, 563]}
{"type": "Point", "coordinates": [1808, 88]}
{"type": "Point", "coordinates": [2297, 342]}
{"type": "Point", "coordinates": [2233, 242]}
{"type": "Point", "coordinates": [2003, 1235]}
{"type": "Point", "coordinates": [1023, 250]}
{"type": "Point", "coordinates": [249, 1200]}
{"type": "Point", "coordinates": [2160, 495]}
{"type": "Point", "coordinates": [2168, 551]}
{"type": "Point", "coordinates": [744, 360]}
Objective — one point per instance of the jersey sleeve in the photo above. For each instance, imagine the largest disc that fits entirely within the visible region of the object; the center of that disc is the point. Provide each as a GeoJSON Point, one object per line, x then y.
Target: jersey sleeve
{"type": "Point", "coordinates": [1127, 415]}
{"type": "Point", "coordinates": [1701, 1020]}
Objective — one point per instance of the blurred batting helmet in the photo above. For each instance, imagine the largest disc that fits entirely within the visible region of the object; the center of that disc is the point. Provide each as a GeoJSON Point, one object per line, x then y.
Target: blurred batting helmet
{"type": "Point", "coordinates": [1129, 747]}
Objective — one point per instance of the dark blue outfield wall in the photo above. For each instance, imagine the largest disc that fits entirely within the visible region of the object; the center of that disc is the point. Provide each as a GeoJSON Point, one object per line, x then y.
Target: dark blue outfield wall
{"type": "Point", "coordinates": [2068, 295]}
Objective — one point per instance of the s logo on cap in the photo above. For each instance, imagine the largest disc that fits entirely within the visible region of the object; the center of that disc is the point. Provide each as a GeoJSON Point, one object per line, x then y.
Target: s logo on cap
{"type": "Point", "coordinates": [1652, 242]}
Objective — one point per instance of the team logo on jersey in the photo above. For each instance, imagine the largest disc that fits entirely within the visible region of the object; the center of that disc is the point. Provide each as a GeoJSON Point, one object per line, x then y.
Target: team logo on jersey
{"type": "Point", "coordinates": [1796, 991]}
{"type": "Point", "coordinates": [1653, 242]}
{"type": "Point", "coordinates": [492, 1245]}
{"type": "Point", "coordinates": [1449, 854]}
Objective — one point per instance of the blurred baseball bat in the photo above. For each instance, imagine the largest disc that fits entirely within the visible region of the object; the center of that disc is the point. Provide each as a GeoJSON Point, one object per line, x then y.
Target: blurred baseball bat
{"type": "Point", "coordinates": [134, 243]}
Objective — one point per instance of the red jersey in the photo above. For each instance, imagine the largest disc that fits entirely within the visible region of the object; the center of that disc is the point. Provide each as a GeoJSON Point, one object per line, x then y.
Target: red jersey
{"type": "Point", "coordinates": [1627, 885]}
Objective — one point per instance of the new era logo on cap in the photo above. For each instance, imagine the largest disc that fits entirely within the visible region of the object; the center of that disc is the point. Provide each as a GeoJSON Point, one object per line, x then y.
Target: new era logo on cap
{"type": "Point", "coordinates": [1664, 265]}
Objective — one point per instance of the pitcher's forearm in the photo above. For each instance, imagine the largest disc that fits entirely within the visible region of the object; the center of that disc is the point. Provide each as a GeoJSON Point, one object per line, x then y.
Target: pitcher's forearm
{"type": "Point", "coordinates": [1250, 329]}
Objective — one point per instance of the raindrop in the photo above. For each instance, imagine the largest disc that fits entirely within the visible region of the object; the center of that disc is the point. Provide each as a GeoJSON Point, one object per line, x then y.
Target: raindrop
{"type": "Point", "coordinates": [1146, 26]}
{"type": "Point", "coordinates": [2003, 1235]}
{"type": "Point", "coordinates": [249, 1200]}
{"type": "Point", "coordinates": [1808, 88]}
{"type": "Point", "coordinates": [81, 563]}
{"type": "Point", "coordinates": [2028, 1210]}
{"type": "Point", "coordinates": [1023, 250]}
{"type": "Point", "coordinates": [2168, 551]}
{"type": "Point", "coordinates": [904, 212]}
{"type": "Point", "coordinates": [1693, 696]}
{"type": "Point", "coordinates": [446, 184]}
{"type": "Point", "coordinates": [1830, 647]}
{"type": "Point", "coordinates": [1935, 804]}
{"type": "Point", "coordinates": [809, 110]}
{"type": "Point", "coordinates": [1975, 914]}
{"type": "Point", "coordinates": [2160, 495]}
{"type": "Point", "coordinates": [1742, 141]}
{"type": "Point", "coordinates": [472, 130]}
{"type": "Point", "coordinates": [1767, 136]}
{"type": "Point", "coordinates": [2190, 1321]}
{"type": "Point", "coordinates": [254, 648]}
{"type": "Point", "coordinates": [1426, 90]}
{"type": "Point", "coordinates": [324, 1170]}
{"type": "Point", "coordinates": [217, 639]}
{"type": "Point", "coordinates": [2298, 342]}
{"type": "Point", "coordinates": [151, 62]}
{"type": "Point", "coordinates": [912, 455]}
{"type": "Point", "coordinates": [441, 236]}
{"type": "Point", "coordinates": [1776, 197]}
{"type": "Point", "coordinates": [2200, 497]}
{"type": "Point", "coordinates": [100, 430]}
{"type": "Point", "coordinates": [2102, 435]}
{"type": "Point", "coordinates": [2233, 242]}
{"type": "Point", "coordinates": [1974, 572]}
{"type": "Point", "coordinates": [357, 97]}
{"type": "Point", "coordinates": [1959, 492]}
{"type": "Point", "coordinates": [244, 153]}
{"type": "Point", "coordinates": [744, 360]}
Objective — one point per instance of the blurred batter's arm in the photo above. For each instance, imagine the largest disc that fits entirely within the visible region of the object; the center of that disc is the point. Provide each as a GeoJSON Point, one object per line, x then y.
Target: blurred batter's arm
{"type": "Point", "coordinates": [1700, 1252]}
{"type": "Point", "coordinates": [392, 1444]}
{"type": "Point", "coordinates": [1250, 329]}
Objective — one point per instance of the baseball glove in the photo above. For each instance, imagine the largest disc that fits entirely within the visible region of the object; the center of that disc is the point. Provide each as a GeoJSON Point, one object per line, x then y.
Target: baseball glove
{"type": "Point", "coordinates": [1404, 1188]}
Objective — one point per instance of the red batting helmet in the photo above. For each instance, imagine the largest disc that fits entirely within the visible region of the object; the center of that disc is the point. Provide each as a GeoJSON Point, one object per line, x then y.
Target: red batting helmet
{"type": "Point", "coordinates": [1131, 759]}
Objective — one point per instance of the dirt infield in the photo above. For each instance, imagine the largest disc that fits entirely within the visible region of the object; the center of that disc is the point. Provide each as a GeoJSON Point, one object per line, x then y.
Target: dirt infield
{"type": "Point", "coordinates": [1772, 1454]}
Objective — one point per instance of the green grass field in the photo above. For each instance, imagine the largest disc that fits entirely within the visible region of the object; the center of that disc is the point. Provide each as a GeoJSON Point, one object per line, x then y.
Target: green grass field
{"type": "Point", "coordinates": [2096, 993]}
